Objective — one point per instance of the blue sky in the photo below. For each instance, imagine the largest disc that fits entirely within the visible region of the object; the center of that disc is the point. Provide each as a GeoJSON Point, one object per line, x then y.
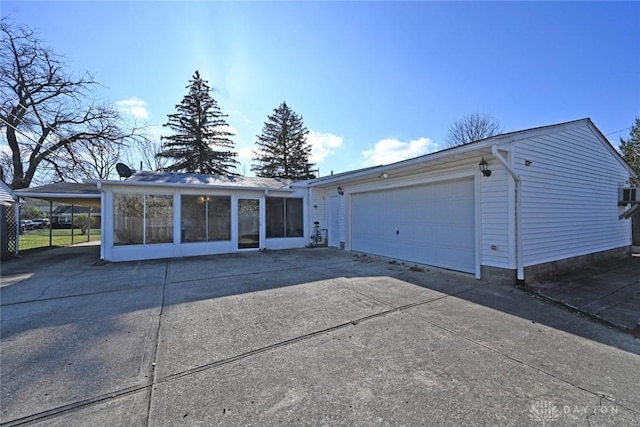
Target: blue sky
{"type": "Point", "coordinates": [374, 81]}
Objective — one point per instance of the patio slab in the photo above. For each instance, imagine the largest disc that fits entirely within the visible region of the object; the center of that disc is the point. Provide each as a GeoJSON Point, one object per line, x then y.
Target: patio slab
{"type": "Point", "coordinates": [608, 292]}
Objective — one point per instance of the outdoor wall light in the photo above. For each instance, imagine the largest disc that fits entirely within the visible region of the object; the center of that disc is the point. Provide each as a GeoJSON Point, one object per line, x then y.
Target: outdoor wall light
{"type": "Point", "coordinates": [384, 175]}
{"type": "Point", "coordinates": [340, 192]}
{"type": "Point", "coordinates": [484, 167]}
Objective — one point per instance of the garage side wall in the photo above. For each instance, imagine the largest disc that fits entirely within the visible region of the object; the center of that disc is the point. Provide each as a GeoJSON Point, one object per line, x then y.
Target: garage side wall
{"type": "Point", "coordinates": [570, 195]}
{"type": "Point", "coordinates": [497, 200]}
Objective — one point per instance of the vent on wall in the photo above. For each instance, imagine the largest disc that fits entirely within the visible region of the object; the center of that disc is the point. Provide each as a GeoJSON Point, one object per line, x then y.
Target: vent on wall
{"type": "Point", "coordinates": [628, 195]}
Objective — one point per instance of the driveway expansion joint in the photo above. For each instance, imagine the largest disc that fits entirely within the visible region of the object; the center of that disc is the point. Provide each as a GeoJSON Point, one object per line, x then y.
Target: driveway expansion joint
{"type": "Point", "coordinates": [156, 343]}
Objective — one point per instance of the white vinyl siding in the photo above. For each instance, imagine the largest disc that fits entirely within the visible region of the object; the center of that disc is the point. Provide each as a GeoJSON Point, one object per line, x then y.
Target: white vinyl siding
{"type": "Point", "coordinates": [570, 198]}
{"type": "Point", "coordinates": [333, 221]}
{"type": "Point", "coordinates": [496, 210]}
{"type": "Point", "coordinates": [431, 224]}
{"type": "Point", "coordinates": [318, 207]}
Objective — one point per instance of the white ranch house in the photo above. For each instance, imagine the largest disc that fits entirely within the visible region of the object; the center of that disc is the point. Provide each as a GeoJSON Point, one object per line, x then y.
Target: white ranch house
{"type": "Point", "coordinates": [549, 202]}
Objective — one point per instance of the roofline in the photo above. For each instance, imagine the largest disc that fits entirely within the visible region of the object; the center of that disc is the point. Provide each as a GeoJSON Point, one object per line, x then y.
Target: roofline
{"type": "Point", "coordinates": [188, 185]}
{"type": "Point", "coordinates": [613, 149]}
{"type": "Point", "coordinates": [474, 146]}
{"type": "Point", "coordinates": [24, 193]}
{"type": "Point", "coordinates": [461, 149]}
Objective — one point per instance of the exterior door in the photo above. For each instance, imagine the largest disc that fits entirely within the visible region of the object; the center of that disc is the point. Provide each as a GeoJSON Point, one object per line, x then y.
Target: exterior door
{"type": "Point", "coordinates": [248, 223]}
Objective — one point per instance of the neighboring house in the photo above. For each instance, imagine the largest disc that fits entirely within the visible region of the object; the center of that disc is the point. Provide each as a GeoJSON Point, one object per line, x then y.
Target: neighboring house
{"type": "Point", "coordinates": [548, 204]}
{"type": "Point", "coordinates": [62, 215]}
{"type": "Point", "coordinates": [8, 222]}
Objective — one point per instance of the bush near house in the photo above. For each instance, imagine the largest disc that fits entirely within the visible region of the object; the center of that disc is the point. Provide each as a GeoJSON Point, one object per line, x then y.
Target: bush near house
{"type": "Point", "coordinates": [84, 222]}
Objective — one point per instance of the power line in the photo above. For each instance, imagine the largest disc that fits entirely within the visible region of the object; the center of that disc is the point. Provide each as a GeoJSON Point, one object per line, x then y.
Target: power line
{"type": "Point", "coordinates": [618, 131]}
{"type": "Point", "coordinates": [19, 131]}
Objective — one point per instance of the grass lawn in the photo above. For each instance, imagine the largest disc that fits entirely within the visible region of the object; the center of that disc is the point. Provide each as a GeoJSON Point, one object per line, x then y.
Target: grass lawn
{"type": "Point", "coordinates": [32, 239]}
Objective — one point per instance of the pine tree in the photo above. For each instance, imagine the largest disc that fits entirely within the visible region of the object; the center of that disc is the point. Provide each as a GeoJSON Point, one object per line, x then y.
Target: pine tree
{"type": "Point", "coordinates": [198, 126]}
{"type": "Point", "coordinates": [283, 150]}
{"type": "Point", "coordinates": [630, 148]}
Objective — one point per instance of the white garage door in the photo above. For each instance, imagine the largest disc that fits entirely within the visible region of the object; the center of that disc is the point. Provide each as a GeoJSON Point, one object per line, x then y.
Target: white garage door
{"type": "Point", "coordinates": [430, 224]}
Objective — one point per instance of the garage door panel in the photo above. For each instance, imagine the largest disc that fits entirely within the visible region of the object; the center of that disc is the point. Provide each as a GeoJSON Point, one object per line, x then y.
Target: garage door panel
{"type": "Point", "coordinates": [431, 224]}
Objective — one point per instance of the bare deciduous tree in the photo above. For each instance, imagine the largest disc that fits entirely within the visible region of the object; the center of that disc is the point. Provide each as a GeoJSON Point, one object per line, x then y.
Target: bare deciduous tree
{"type": "Point", "coordinates": [48, 115]}
{"type": "Point", "coordinates": [472, 127]}
{"type": "Point", "coordinates": [146, 151]}
{"type": "Point", "coordinates": [100, 159]}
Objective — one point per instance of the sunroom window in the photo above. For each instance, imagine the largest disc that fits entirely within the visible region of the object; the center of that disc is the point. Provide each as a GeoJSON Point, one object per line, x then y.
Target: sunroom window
{"type": "Point", "coordinates": [142, 219]}
{"type": "Point", "coordinates": [205, 218]}
{"type": "Point", "coordinates": [284, 217]}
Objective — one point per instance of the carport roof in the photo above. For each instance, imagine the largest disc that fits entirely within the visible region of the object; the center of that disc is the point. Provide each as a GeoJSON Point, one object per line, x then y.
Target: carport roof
{"type": "Point", "coordinates": [71, 193]}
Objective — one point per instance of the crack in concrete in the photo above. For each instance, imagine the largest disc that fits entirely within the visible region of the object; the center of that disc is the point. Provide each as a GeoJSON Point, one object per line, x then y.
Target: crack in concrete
{"type": "Point", "coordinates": [609, 294]}
{"type": "Point", "coordinates": [157, 344]}
{"type": "Point", "coordinates": [75, 295]}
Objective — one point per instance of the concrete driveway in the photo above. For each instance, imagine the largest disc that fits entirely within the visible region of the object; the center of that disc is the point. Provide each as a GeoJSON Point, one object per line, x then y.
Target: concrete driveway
{"type": "Point", "coordinates": [306, 337]}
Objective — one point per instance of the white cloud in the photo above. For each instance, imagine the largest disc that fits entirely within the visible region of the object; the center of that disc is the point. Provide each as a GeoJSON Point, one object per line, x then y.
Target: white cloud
{"type": "Point", "coordinates": [134, 106]}
{"type": "Point", "coordinates": [227, 128]}
{"type": "Point", "coordinates": [322, 145]}
{"type": "Point", "coordinates": [245, 152]}
{"type": "Point", "coordinates": [391, 150]}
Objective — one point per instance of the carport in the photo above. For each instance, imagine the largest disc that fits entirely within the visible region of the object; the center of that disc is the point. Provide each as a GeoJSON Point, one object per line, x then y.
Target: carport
{"type": "Point", "coordinates": [69, 193]}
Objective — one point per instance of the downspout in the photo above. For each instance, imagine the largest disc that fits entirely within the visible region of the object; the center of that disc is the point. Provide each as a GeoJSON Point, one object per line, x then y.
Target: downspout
{"type": "Point", "coordinates": [103, 221]}
{"type": "Point", "coordinates": [308, 231]}
{"type": "Point", "coordinates": [16, 216]}
{"type": "Point", "coordinates": [518, 219]}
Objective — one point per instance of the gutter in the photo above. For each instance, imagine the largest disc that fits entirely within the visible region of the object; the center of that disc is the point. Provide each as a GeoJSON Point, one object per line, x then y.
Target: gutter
{"type": "Point", "coordinates": [103, 227]}
{"type": "Point", "coordinates": [518, 225]}
{"type": "Point", "coordinates": [58, 195]}
{"type": "Point", "coordinates": [390, 168]}
{"type": "Point", "coordinates": [200, 186]}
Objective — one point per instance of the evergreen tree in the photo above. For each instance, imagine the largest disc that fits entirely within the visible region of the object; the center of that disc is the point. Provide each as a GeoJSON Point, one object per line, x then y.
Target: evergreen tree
{"type": "Point", "coordinates": [630, 148]}
{"type": "Point", "coordinates": [283, 150]}
{"type": "Point", "coordinates": [198, 126]}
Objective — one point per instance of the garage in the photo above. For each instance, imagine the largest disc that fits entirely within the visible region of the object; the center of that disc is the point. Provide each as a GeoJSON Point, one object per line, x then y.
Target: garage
{"type": "Point", "coordinates": [431, 224]}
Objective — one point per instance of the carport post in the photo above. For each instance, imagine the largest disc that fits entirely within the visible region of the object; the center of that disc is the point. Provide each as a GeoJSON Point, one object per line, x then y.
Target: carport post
{"type": "Point", "coordinates": [50, 224]}
{"type": "Point", "coordinates": [71, 225]}
{"type": "Point", "coordinates": [16, 214]}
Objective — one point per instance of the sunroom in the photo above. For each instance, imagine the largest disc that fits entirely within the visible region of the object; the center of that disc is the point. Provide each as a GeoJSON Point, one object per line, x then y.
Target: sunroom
{"type": "Point", "coordinates": [154, 215]}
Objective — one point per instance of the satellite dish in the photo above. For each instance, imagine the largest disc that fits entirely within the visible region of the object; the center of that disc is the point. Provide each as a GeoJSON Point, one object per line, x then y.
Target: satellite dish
{"type": "Point", "coordinates": [123, 170]}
